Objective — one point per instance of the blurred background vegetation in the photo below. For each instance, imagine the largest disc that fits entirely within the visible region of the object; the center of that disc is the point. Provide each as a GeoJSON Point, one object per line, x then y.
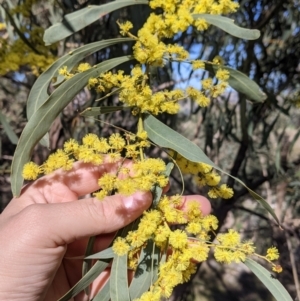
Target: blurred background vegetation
{"type": "Point", "coordinates": [256, 142]}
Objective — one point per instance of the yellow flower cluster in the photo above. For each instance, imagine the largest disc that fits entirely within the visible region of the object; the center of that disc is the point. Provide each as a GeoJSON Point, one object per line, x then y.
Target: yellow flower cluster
{"type": "Point", "coordinates": [204, 175]}
{"type": "Point", "coordinates": [125, 27]}
{"type": "Point", "coordinates": [2, 26]}
{"type": "Point", "coordinates": [135, 93]}
{"type": "Point", "coordinates": [208, 88]}
{"type": "Point", "coordinates": [272, 254]}
{"type": "Point", "coordinates": [92, 150]}
{"type": "Point", "coordinates": [15, 54]}
{"type": "Point", "coordinates": [135, 90]}
{"type": "Point", "coordinates": [143, 175]}
{"type": "Point", "coordinates": [183, 252]}
{"type": "Point", "coordinates": [230, 249]}
{"type": "Point", "coordinates": [80, 68]}
{"type": "Point", "coordinates": [154, 225]}
{"type": "Point", "coordinates": [174, 17]}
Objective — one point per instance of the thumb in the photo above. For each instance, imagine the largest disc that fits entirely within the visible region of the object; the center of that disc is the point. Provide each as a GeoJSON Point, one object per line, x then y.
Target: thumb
{"type": "Point", "coordinates": [59, 224]}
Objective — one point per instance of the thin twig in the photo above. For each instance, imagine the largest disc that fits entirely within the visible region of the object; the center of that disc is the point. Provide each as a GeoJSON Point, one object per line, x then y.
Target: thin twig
{"type": "Point", "coordinates": [293, 263]}
{"type": "Point", "coordinates": [18, 31]}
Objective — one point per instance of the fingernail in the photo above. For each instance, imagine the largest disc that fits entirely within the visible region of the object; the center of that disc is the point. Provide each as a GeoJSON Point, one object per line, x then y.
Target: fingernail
{"type": "Point", "coordinates": [138, 200]}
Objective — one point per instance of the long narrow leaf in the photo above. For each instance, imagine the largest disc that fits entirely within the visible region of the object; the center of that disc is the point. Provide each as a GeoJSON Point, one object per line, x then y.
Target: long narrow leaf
{"type": "Point", "coordinates": [38, 94]}
{"type": "Point", "coordinates": [146, 272]}
{"type": "Point", "coordinates": [95, 111]}
{"type": "Point", "coordinates": [105, 254]}
{"type": "Point", "coordinates": [119, 290]}
{"type": "Point", "coordinates": [74, 22]}
{"type": "Point", "coordinates": [228, 25]}
{"type": "Point", "coordinates": [87, 264]}
{"type": "Point", "coordinates": [103, 294]}
{"type": "Point", "coordinates": [273, 285]}
{"type": "Point", "coordinates": [42, 119]}
{"type": "Point", "coordinates": [164, 136]}
{"type": "Point", "coordinates": [86, 280]}
{"type": "Point", "coordinates": [157, 190]}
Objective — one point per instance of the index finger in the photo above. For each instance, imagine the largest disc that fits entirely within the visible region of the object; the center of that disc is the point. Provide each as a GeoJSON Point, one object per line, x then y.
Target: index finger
{"type": "Point", "coordinates": [63, 186]}
{"type": "Point", "coordinates": [82, 179]}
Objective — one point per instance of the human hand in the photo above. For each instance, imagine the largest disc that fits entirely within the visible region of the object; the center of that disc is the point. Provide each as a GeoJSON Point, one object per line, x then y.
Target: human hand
{"type": "Point", "coordinates": [47, 225]}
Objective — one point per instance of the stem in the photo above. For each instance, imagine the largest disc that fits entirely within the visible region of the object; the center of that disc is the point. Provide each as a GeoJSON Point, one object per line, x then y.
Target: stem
{"type": "Point", "coordinates": [140, 129]}
{"type": "Point", "coordinates": [265, 258]}
{"type": "Point", "coordinates": [87, 264]}
{"type": "Point", "coordinates": [293, 264]}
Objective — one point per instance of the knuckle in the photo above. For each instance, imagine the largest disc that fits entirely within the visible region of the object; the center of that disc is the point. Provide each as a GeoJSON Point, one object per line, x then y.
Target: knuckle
{"type": "Point", "coordinates": [97, 210]}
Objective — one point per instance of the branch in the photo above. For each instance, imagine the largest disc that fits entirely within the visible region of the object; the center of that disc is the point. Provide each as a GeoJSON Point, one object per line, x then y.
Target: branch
{"type": "Point", "coordinates": [293, 264]}
{"type": "Point", "coordinates": [270, 13]}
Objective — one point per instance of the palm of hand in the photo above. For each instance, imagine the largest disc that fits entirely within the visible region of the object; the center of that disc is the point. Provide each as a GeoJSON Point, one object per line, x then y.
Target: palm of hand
{"type": "Point", "coordinates": [49, 261]}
